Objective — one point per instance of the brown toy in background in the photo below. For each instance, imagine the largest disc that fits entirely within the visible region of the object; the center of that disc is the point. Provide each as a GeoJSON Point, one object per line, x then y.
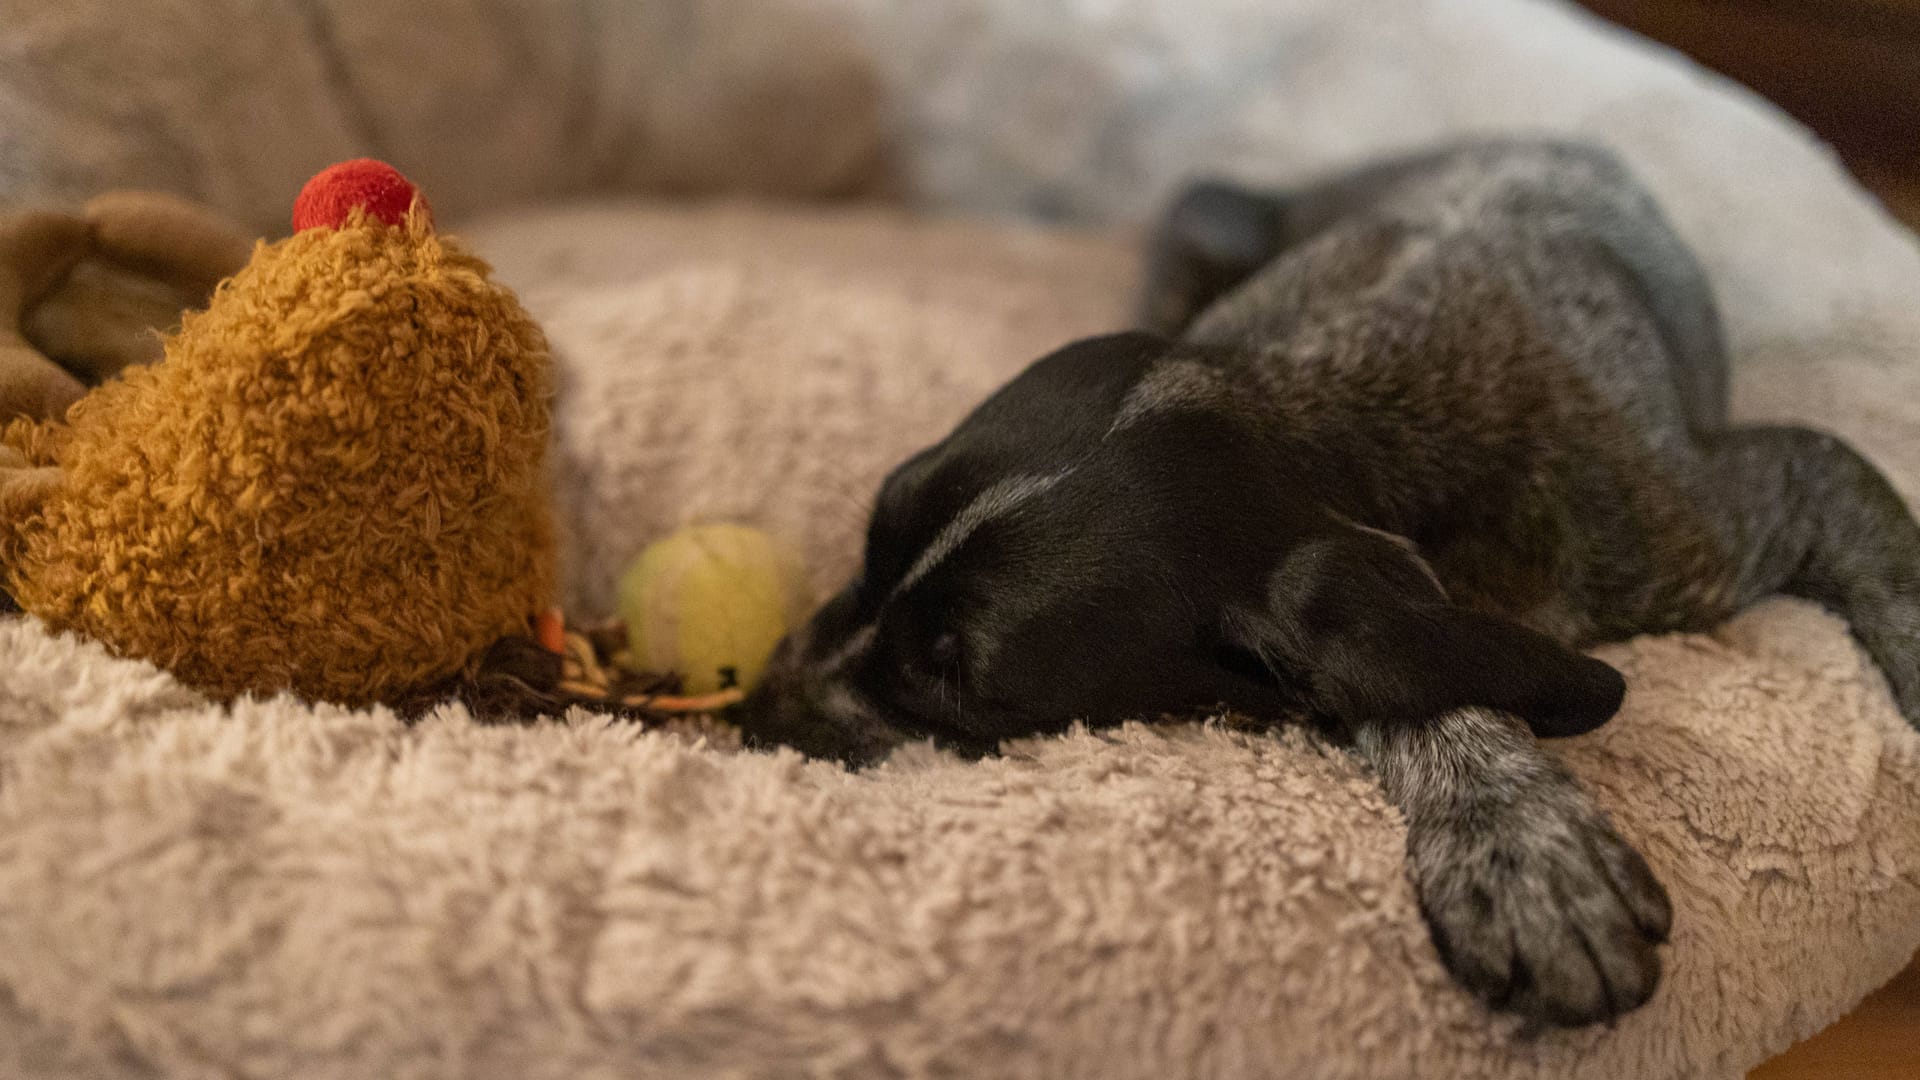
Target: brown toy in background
{"type": "Point", "coordinates": [332, 484]}
{"type": "Point", "coordinates": [83, 295]}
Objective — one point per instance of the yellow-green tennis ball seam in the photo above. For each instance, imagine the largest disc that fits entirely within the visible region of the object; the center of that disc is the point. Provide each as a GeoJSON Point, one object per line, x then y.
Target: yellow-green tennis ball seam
{"type": "Point", "coordinates": [709, 603]}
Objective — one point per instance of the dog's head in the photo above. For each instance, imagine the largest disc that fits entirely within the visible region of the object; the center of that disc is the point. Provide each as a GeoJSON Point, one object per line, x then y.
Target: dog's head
{"type": "Point", "coordinates": [1109, 536]}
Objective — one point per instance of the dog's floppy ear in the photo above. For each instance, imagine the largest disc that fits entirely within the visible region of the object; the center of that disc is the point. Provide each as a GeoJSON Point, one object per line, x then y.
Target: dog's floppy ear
{"type": "Point", "coordinates": [1359, 622]}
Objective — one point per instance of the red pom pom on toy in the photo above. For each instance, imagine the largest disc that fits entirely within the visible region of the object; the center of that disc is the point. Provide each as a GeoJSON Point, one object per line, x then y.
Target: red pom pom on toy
{"type": "Point", "coordinates": [372, 185]}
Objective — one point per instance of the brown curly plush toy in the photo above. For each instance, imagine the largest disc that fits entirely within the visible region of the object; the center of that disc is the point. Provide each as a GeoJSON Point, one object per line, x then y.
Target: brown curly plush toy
{"type": "Point", "coordinates": [82, 292]}
{"type": "Point", "coordinates": [332, 482]}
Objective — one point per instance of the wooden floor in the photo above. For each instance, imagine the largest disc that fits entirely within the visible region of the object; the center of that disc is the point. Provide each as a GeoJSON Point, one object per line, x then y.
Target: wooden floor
{"type": "Point", "coordinates": [1898, 187]}
{"type": "Point", "coordinates": [1879, 1041]}
{"type": "Point", "coordinates": [1849, 69]}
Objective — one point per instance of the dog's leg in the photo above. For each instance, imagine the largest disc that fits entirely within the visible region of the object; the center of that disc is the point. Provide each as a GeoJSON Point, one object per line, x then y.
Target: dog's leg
{"type": "Point", "coordinates": [1214, 236]}
{"type": "Point", "coordinates": [1534, 902]}
{"type": "Point", "coordinates": [1803, 513]}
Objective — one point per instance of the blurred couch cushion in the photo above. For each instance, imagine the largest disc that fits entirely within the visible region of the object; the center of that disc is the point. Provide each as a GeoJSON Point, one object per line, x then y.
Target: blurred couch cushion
{"type": "Point", "coordinates": [483, 102]}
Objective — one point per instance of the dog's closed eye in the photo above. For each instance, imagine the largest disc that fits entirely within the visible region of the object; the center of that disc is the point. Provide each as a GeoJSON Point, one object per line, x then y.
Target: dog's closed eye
{"type": "Point", "coordinates": [944, 650]}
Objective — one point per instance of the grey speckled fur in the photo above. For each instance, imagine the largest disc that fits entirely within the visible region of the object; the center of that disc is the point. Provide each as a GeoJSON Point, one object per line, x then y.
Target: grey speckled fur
{"type": "Point", "coordinates": [1403, 442]}
{"type": "Point", "coordinates": [1523, 371]}
{"type": "Point", "coordinates": [1533, 899]}
{"type": "Point", "coordinates": [1520, 372]}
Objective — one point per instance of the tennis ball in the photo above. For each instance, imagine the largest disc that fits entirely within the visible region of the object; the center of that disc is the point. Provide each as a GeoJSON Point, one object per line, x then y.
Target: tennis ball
{"type": "Point", "coordinates": [709, 603]}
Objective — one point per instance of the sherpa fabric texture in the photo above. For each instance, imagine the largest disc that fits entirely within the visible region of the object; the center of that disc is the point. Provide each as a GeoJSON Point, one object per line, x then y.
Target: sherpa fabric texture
{"type": "Point", "coordinates": [283, 893]}
{"type": "Point", "coordinates": [333, 483]}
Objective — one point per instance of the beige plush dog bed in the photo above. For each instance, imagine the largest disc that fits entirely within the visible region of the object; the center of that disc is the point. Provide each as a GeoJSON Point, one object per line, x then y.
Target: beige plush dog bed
{"type": "Point", "coordinates": [281, 892]}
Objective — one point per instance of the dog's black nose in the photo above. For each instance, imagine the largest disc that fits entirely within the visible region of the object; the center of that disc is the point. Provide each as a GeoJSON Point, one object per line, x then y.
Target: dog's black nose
{"type": "Point", "coordinates": [787, 712]}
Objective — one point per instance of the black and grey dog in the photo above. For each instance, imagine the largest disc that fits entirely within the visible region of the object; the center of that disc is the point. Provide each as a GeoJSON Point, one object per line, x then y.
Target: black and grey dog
{"type": "Point", "coordinates": [1402, 444]}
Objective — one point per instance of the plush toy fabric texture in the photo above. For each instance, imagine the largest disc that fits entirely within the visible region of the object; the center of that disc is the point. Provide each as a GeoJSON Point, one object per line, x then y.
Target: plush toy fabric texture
{"type": "Point", "coordinates": [37, 250]}
{"type": "Point", "coordinates": [87, 292]}
{"type": "Point", "coordinates": [373, 187]}
{"type": "Point", "coordinates": [332, 484]}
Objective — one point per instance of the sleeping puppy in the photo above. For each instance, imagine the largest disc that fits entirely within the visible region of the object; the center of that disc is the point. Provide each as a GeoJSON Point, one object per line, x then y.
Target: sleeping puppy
{"type": "Point", "coordinates": [1399, 446]}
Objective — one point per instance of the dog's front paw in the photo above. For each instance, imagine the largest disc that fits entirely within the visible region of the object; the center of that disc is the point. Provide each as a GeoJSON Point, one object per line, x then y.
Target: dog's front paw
{"type": "Point", "coordinates": [1537, 905]}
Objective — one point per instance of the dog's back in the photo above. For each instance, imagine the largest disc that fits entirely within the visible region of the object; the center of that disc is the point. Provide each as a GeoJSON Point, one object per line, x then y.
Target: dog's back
{"type": "Point", "coordinates": [1512, 258]}
{"type": "Point", "coordinates": [1502, 352]}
